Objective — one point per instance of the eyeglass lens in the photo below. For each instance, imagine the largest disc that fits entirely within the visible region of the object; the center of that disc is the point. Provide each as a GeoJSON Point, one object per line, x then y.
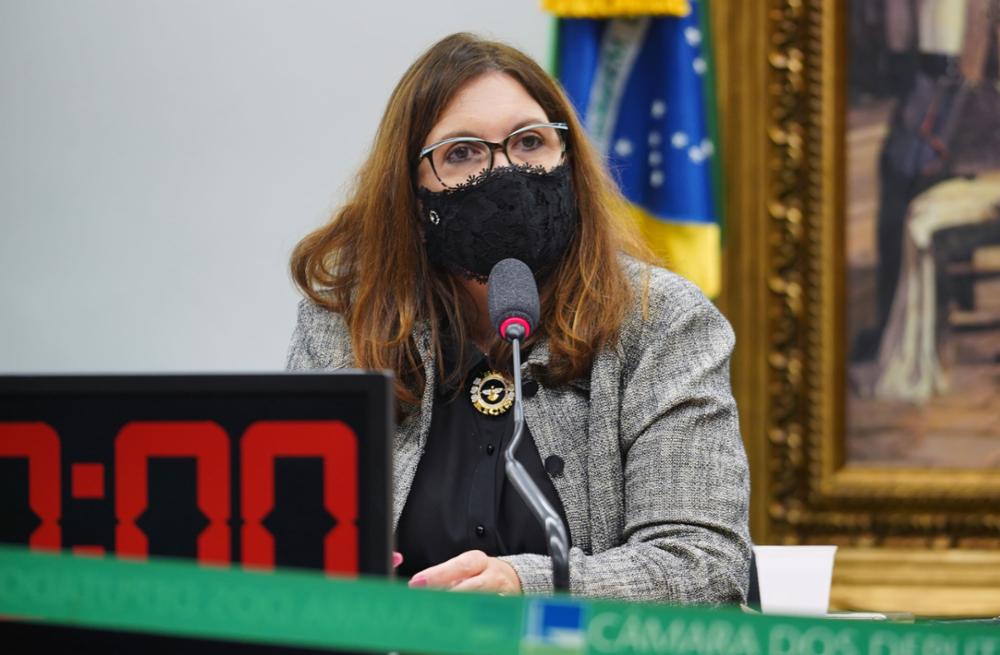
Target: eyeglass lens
{"type": "Point", "coordinates": [458, 161]}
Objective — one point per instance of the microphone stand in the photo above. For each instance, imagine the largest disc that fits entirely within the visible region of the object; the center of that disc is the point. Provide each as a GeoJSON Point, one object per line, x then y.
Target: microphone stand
{"type": "Point", "coordinates": [555, 531]}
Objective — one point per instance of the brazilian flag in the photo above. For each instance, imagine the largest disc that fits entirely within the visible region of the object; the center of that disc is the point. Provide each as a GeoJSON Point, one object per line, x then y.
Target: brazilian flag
{"type": "Point", "coordinates": [639, 73]}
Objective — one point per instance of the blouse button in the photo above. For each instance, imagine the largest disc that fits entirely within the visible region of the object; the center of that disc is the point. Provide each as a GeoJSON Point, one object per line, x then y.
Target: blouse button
{"type": "Point", "coordinates": [480, 530]}
{"type": "Point", "coordinates": [489, 449]}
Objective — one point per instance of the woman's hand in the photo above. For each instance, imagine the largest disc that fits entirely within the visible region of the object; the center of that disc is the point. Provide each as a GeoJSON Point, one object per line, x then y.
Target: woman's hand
{"type": "Point", "coordinates": [473, 570]}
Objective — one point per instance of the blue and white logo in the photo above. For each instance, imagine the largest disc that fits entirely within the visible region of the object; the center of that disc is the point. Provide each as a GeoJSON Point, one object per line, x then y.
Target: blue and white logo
{"type": "Point", "coordinates": [554, 627]}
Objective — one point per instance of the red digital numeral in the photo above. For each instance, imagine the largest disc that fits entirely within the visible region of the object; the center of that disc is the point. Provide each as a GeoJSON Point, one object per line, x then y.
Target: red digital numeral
{"type": "Point", "coordinates": [336, 444]}
{"type": "Point", "coordinates": [208, 444]}
{"type": "Point", "coordinates": [205, 441]}
{"type": "Point", "coordinates": [39, 444]}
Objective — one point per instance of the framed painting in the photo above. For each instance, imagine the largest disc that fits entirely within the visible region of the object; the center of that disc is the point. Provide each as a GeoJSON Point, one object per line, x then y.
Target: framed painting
{"type": "Point", "coordinates": [863, 283]}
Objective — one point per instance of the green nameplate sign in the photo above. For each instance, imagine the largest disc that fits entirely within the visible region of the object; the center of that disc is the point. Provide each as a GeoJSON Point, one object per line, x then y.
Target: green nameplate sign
{"type": "Point", "coordinates": [305, 609]}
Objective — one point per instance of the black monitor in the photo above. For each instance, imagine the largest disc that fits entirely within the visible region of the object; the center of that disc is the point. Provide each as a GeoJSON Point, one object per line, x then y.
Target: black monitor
{"type": "Point", "coordinates": [258, 470]}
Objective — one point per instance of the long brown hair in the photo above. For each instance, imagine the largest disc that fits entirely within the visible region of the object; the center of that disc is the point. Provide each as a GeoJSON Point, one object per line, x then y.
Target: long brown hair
{"type": "Point", "coordinates": [368, 263]}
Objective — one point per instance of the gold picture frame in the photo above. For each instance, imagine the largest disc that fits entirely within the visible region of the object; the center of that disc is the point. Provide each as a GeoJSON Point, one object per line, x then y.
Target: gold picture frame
{"type": "Point", "coordinates": [926, 541]}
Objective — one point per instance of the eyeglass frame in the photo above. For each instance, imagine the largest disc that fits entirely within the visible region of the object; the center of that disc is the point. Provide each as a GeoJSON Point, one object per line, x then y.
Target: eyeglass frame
{"type": "Point", "coordinates": [429, 150]}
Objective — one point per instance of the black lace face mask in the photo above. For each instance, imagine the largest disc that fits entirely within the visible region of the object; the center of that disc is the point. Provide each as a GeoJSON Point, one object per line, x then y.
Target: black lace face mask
{"type": "Point", "coordinates": [525, 213]}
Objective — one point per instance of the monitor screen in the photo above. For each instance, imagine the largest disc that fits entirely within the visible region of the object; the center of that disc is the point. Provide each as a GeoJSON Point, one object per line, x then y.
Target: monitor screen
{"type": "Point", "coordinates": [263, 471]}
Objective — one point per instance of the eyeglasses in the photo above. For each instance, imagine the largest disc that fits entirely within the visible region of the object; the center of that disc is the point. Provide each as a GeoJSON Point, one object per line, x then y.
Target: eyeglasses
{"type": "Point", "coordinates": [459, 159]}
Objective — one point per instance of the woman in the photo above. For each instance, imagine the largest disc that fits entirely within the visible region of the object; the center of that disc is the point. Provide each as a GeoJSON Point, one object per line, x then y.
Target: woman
{"type": "Point", "coordinates": [632, 429]}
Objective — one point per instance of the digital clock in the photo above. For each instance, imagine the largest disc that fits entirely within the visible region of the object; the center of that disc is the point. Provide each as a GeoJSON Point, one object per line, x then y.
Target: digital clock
{"type": "Point", "coordinates": [282, 470]}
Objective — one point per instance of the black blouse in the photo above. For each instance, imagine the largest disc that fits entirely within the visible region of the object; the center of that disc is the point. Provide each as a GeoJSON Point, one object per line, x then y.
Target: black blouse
{"type": "Point", "coordinates": [460, 499]}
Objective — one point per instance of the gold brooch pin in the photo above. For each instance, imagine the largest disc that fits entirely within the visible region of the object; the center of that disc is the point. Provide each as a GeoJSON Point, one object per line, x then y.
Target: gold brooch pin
{"type": "Point", "coordinates": [492, 394]}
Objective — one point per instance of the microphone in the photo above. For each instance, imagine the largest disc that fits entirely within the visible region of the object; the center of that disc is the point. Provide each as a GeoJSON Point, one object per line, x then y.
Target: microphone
{"type": "Point", "coordinates": [512, 299]}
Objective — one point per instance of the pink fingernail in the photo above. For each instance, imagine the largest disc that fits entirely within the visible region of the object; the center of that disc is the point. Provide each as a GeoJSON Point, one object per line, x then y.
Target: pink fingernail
{"type": "Point", "coordinates": [397, 559]}
{"type": "Point", "coordinates": [418, 581]}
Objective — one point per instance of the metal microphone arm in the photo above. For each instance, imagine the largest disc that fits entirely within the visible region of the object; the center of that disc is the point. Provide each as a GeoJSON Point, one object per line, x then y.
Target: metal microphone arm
{"type": "Point", "coordinates": [555, 531]}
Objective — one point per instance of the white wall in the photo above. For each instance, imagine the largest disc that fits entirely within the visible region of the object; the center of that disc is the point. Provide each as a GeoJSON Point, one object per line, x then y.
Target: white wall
{"type": "Point", "coordinates": [160, 158]}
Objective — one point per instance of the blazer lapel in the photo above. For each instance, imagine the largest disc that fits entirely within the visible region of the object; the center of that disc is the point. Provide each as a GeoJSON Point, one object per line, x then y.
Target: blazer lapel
{"type": "Point", "coordinates": [604, 459]}
{"type": "Point", "coordinates": [411, 435]}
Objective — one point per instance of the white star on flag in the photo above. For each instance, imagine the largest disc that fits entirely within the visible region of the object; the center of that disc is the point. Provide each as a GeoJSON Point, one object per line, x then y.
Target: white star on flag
{"type": "Point", "coordinates": [623, 147]}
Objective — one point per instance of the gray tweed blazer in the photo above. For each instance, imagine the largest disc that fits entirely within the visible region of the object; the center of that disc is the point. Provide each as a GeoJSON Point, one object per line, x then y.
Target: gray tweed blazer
{"type": "Point", "coordinates": [655, 483]}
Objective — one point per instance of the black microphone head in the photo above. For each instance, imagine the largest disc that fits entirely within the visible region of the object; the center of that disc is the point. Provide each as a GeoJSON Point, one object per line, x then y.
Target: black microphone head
{"type": "Point", "coordinates": [512, 298]}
